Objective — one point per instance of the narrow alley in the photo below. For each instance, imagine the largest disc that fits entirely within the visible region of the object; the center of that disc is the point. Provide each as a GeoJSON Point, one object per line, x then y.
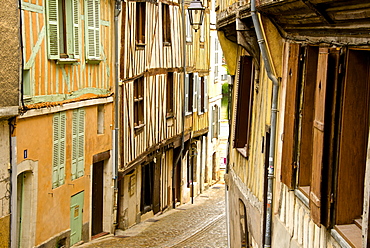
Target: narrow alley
{"type": "Point", "coordinates": [201, 224]}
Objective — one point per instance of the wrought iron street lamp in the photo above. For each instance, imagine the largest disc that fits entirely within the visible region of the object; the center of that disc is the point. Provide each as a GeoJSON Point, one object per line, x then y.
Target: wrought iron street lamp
{"type": "Point", "coordinates": [196, 14]}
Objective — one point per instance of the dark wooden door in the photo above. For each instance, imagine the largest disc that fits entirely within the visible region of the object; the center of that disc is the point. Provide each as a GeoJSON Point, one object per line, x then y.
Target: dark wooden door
{"type": "Point", "coordinates": [157, 185]}
{"type": "Point", "coordinates": [97, 198]}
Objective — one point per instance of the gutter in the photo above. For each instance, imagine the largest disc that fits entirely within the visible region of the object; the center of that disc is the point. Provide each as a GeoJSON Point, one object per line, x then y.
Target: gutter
{"type": "Point", "coordinates": [275, 90]}
{"type": "Point", "coordinates": [117, 11]}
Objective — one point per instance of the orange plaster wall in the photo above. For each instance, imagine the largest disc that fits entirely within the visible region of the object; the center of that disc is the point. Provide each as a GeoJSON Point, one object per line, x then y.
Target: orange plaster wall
{"type": "Point", "coordinates": [53, 205]}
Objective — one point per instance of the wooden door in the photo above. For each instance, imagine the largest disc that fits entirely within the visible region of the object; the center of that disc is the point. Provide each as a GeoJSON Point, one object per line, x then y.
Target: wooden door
{"type": "Point", "coordinates": [156, 186]}
{"type": "Point", "coordinates": [97, 198]}
{"type": "Point", "coordinates": [76, 210]}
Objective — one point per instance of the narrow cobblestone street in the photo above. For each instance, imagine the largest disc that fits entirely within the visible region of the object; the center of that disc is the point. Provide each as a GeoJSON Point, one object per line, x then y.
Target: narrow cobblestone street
{"type": "Point", "coordinates": [202, 224]}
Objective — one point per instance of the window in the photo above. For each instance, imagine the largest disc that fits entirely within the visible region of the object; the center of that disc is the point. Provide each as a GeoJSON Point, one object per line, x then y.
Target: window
{"type": "Point", "coordinates": [78, 143]}
{"type": "Point", "coordinates": [216, 59]}
{"type": "Point", "coordinates": [59, 149]}
{"type": "Point", "coordinates": [215, 122]}
{"type": "Point", "coordinates": [140, 23]}
{"type": "Point", "coordinates": [244, 104]}
{"type": "Point", "coordinates": [166, 24]}
{"type": "Point", "coordinates": [202, 95]}
{"type": "Point", "coordinates": [92, 26]}
{"type": "Point", "coordinates": [169, 97]}
{"type": "Point", "coordinates": [100, 118]}
{"type": "Point", "coordinates": [139, 102]}
{"type": "Point", "coordinates": [189, 92]}
{"type": "Point", "coordinates": [326, 133]}
{"type": "Point", "coordinates": [63, 29]}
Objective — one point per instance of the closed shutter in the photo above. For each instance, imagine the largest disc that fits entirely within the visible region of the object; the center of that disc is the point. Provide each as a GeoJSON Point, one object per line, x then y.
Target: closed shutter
{"type": "Point", "coordinates": [244, 103]}
{"type": "Point", "coordinates": [81, 143]}
{"type": "Point", "coordinates": [205, 94]}
{"type": "Point", "coordinates": [195, 94]}
{"type": "Point", "coordinates": [92, 10]}
{"type": "Point", "coordinates": [186, 92]}
{"type": "Point", "coordinates": [318, 136]}
{"type": "Point", "coordinates": [55, 176]}
{"type": "Point", "coordinates": [74, 144]}
{"type": "Point", "coordinates": [200, 96]}
{"type": "Point", "coordinates": [76, 23]}
{"type": "Point", "coordinates": [290, 117]}
{"type": "Point", "coordinates": [52, 29]}
{"type": "Point", "coordinates": [62, 148]}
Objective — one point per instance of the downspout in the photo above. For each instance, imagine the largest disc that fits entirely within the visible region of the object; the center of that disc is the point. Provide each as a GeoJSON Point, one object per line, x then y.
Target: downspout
{"type": "Point", "coordinates": [273, 78]}
{"type": "Point", "coordinates": [117, 11]}
{"type": "Point", "coordinates": [183, 103]}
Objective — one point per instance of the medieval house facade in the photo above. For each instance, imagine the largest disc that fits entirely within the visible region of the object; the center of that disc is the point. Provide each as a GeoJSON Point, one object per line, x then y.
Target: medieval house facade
{"type": "Point", "coordinates": [164, 76]}
{"type": "Point", "coordinates": [298, 169]}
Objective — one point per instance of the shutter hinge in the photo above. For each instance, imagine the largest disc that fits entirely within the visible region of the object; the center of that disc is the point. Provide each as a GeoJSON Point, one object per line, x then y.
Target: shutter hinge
{"type": "Point", "coordinates": [294, 165]}
{"type": "Point", "coordinates": [331, 198]}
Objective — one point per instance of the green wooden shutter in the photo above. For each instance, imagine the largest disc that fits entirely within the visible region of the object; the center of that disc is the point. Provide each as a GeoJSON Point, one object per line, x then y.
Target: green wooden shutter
{"type": "Point", "coordinates": [74, 144]}
{"type": "Point", "coordinates": [76, 23]}
{"type": "Point", "coordinates": [62, 147]}
{"type": "Point", "coordinates": [52, 29]}
{"type": "Point", "coordinates": [92, 10]}
{"type": "Point", "coordinates": [55, 177]}
{"type": "Point", "coordinates": [199, 96]}
{"type": "Point", "coordinates": [81, 143]}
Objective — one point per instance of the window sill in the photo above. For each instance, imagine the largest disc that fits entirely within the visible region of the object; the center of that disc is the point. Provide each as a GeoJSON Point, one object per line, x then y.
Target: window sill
{"type": "Point", "coordinates": [140, 46]}
{"type": "Point", "coordinates": [243, 152]}
{"type": "Point", "coordinates": [169, 115]}
{"type": "Point", "coordinates": [348, 235]}
{"type": "Point", "coordinates": [66, 61]}
{"type": "Point", "coordinates": [302, 194]}
{"type": "Point", "coordinates": [139, 128]}
{"type": "Point", "coordinates": [93, 61]}
{"type": "Point", "coordinates": [166, 43]}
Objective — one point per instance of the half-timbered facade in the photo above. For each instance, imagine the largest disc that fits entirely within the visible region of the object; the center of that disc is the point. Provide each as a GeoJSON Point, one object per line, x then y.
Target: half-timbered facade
{"type": "Point", "coordinates": [316, 54]}
{"type": "Point", "coordinates": [63, 171]}
{"type": "Point", "coordinates": [10, 67]}
{"type": "Point", "coordinates": [164, 108]}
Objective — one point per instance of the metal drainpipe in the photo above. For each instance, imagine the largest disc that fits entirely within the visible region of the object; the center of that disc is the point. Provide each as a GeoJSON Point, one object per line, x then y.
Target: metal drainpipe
{"type": "Point", "coordinates": [117, 11]}
{"type": "Point", "coordinates": [270, 175]}
{"type": "Point", "coordinates": [183, 105]}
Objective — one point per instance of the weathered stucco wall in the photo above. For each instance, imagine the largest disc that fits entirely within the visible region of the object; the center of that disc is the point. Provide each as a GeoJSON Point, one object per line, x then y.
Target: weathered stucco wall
{"type": "Point", "coordinates": [35, 134]}
{"type": "Point", "coordinates": [4, 184]}
{"type": "Point", "coordinates": [9, 53]}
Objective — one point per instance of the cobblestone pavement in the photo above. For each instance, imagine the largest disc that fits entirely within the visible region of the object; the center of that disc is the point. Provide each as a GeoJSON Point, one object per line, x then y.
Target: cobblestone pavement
{"type": "Point", "coordinates": [202, 224]}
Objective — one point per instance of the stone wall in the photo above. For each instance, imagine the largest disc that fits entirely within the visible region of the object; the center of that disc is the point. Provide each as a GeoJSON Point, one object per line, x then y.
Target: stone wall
{"type": "Point", "coordinates": [10, 57]}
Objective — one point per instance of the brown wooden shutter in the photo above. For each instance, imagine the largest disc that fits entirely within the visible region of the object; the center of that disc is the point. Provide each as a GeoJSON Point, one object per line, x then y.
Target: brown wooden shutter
{"type": "Point", "coordinates": [318, 135]}
{"type": "Point", "coordinates": [310, 75]}
{"type": "Point", "coordinates": [244, 105]}
{"type": "Point", "coordinates": [290, 116]}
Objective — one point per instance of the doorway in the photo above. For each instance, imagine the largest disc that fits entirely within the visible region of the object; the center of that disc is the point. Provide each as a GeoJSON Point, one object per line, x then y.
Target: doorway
{"type": "Point", "coordinates": [97, 198]}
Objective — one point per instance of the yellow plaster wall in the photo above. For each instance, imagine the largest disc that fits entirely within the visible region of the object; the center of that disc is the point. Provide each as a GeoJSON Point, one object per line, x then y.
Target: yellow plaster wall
{"type": "Point", "coordinates": [230, 50]}
{"type": "Point", "coordinates": [53, 205]}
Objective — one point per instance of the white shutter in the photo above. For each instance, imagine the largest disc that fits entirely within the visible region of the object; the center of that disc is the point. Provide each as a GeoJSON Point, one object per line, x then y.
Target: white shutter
{"type": "Point", "coordinates": [92, 23]}
{"type": "Point", "coordinates": [81, 143]}
{"type": "Point", "coordinates": [76, 25]}
{"type": "Point", "coordinates": [52, 29]}
{"type": "Point", "coordinates": [200, 96]}
{"type": "Point", "coordinates": [195, 87]}
{"type": "Point", "coordinates": [74, 144]}
{"type": "Point", "coordinates": [186, 92]}
{"type": "Point", "coordinates": [206, 102]}
{"type": "Point", "coordinates": [55, 169]}
{"type": "Point", "coordinates": [62, 147]}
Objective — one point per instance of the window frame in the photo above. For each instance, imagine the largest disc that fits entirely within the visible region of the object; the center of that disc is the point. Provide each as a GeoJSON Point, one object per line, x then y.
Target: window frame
{"type": "Point", "coordinates": [139, 102]}
{"type": "Point", "coordinates": [140, 35]}
{"type": "Point", "coordinates": [92, 31]}
{"type": "Point", "coordinates": [166, 18]}
{"type": "Point", "coordinates": [170, 95]}
{"type": "Point", "coordinates": [68, 26]}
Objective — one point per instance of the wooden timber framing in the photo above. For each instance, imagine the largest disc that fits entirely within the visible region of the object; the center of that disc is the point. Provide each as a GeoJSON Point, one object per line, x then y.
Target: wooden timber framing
{"type": "Point", "coordinates": [153, 60]}
{"type": "Point", "coordinates": [50, 77]}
